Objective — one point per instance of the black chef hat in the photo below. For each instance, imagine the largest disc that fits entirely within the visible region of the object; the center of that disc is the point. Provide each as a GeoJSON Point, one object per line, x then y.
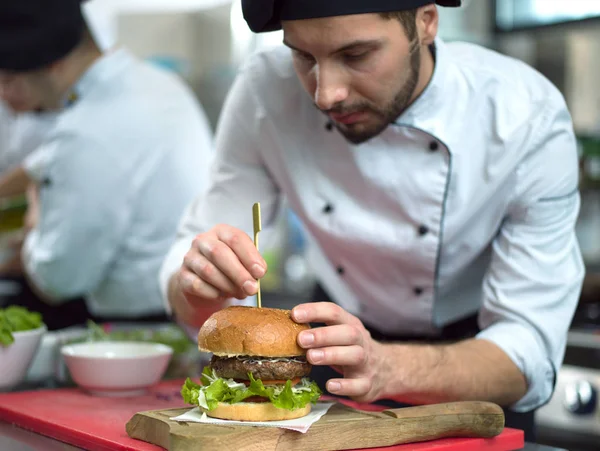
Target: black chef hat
{"type": "Point", "coordinates": [266, 15]}
{"type": "Point", "coordinates": [35, 33]}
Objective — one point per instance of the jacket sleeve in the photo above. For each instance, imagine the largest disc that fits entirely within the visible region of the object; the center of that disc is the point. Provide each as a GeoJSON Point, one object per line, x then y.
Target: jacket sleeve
{"type": "Point", "coordinates": [534, 281]}
{"type": "Point", "coordinates": [67, 253]}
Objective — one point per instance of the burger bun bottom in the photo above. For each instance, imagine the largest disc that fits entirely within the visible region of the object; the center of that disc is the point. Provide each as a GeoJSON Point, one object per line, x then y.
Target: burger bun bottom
{"type": "Point", "coordinates": [255, 411]}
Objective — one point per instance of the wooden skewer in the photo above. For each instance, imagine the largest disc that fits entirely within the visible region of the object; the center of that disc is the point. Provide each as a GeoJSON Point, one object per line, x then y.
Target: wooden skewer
{"type": "Point", "coordinates": [257, 228]}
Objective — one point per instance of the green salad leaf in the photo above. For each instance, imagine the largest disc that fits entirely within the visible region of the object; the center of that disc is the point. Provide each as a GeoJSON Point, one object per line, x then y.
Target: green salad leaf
{"type": "Point", "coordinates": [189, 392]}
{"type": "Point", "coordinates": [17, 319]}
{"type": "Point", "coordinates": [215, 390]}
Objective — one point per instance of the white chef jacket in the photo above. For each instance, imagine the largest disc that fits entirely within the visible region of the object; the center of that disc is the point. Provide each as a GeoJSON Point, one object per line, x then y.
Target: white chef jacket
{"type": "Point", "coordinates": [20, 135]}
{"type": "Point", "coordinates": [115, 175]}
{"type": "Point", "coordinates": [467, 203]}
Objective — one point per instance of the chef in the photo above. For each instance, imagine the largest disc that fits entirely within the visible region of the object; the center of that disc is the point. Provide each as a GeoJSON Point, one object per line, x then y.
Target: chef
{"type": "Point", "coordinates": [438, 184]}
{"type": "Point", "coordinates": [129, 149]}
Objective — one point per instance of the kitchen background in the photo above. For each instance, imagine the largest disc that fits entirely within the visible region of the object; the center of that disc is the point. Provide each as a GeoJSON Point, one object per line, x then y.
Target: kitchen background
{"type": "Point", "coordinates": [205, 41]}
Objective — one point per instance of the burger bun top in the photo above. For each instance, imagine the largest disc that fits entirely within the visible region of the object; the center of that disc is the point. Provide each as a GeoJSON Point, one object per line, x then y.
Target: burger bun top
{"type": "Point", "coordinates": [251, 331]}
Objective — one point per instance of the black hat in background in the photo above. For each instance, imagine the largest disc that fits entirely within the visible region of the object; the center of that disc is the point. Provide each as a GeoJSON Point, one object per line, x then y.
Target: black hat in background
{"type": "Point", "coordinates": [266, 15]}
{"type": "Point", "coordinates": [36, 33]}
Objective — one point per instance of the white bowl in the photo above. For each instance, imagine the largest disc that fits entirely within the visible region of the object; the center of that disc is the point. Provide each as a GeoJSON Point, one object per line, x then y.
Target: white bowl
{"type": "Point", "coordinates": [111, 368]}
{"type": "Point", "coordinates": [16, 358]}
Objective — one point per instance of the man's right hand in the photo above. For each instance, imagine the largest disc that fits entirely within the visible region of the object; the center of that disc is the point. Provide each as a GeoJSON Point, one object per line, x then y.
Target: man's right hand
{"type": "Point", "coordinates": [222, 263]}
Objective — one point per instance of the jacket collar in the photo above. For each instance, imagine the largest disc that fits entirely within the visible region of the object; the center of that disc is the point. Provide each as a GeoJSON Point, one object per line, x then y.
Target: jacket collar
{"type": "Point", "coordinates": [428, 111]}
{"type": "Point", "coordinates": [102, 69]}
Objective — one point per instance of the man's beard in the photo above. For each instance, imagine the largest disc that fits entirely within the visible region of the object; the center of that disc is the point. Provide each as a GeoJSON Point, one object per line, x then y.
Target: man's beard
{"type": "Point", "coordinates": [386, 115]}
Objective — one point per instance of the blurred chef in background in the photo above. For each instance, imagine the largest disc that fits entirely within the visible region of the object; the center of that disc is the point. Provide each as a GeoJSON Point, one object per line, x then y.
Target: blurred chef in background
{"type": "Point", "coordinates": [23, 132]}
{"type": "Point", "coordinates": [129, 149]}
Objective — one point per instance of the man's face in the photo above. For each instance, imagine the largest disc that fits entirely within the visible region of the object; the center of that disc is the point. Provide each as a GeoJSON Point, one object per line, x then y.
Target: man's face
{"type": "Point", "coordinates": [361, 70]}
{"type": "Point", "coordinates": [24, 91]}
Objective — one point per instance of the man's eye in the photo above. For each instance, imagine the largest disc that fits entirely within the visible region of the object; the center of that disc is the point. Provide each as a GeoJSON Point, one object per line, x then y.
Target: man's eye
{"type": "Point", "coordinates": [355, 56]}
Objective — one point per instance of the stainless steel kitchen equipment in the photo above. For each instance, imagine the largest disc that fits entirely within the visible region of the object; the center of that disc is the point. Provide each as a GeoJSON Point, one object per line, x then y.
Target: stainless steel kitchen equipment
{"type": "Point", "coordinates": [572, 417]}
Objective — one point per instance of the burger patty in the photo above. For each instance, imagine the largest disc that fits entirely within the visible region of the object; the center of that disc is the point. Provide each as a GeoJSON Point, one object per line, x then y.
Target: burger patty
{"type": "Point", "coordinates": [261, 367]}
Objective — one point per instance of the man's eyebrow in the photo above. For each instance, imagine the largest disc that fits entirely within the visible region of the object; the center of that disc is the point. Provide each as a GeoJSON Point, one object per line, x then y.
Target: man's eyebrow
{"type": "Point", "coordinates": [344, 48]}
{"type": "Point", "coordinates": [286, 43]}
{"type": "Point", "coordinates": [359, 43]}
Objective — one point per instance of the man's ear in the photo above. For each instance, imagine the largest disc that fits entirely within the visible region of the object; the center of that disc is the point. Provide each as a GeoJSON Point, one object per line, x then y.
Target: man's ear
{"type": "Point", "coordinates": [427, 24]}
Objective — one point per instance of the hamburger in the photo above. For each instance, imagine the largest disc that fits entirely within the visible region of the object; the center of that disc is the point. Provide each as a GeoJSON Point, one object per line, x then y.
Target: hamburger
{"type": "Point", "coordinates": [257, 371]}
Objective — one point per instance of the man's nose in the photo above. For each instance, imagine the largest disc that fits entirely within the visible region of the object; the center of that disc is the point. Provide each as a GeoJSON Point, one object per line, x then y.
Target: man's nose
{"type": "Point", "coordinates": [331, 89]}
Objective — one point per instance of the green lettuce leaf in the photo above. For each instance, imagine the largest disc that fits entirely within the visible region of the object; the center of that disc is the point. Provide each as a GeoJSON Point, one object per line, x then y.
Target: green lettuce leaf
{"type": "Point", "coordinates": [207, 376]}
{"type": "Point", "coordinates": [215, 390]}
{"type": "Point", "coordinates": [189, 392]}
{"type": "Point", "coordinates": [17, 319]}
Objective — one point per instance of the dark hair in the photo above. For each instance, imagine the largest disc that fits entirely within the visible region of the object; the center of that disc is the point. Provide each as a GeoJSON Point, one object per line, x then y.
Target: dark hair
{"type": "Point", "coordinates": [407, 18]}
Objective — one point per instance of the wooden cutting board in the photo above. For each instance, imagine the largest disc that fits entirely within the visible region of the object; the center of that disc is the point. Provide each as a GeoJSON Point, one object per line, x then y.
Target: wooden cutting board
{"type": "Point", "coordinates": [342, 428]}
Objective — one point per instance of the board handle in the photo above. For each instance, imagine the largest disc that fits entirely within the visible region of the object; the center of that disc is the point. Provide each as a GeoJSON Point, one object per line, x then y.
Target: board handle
{"type": "Point", "coordinates": [476, 419]}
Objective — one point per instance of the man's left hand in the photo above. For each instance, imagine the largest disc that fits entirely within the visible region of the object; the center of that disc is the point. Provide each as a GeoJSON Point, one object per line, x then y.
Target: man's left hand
{"type": "Point", "coordinates": [345, 345]}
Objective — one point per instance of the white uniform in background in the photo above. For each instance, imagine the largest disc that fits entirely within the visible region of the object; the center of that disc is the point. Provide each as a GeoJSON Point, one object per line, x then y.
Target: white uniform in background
{"type": "Point", "coordinates": [467, 203]}
{"type": "Point", "coordinates": [115, 174]}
